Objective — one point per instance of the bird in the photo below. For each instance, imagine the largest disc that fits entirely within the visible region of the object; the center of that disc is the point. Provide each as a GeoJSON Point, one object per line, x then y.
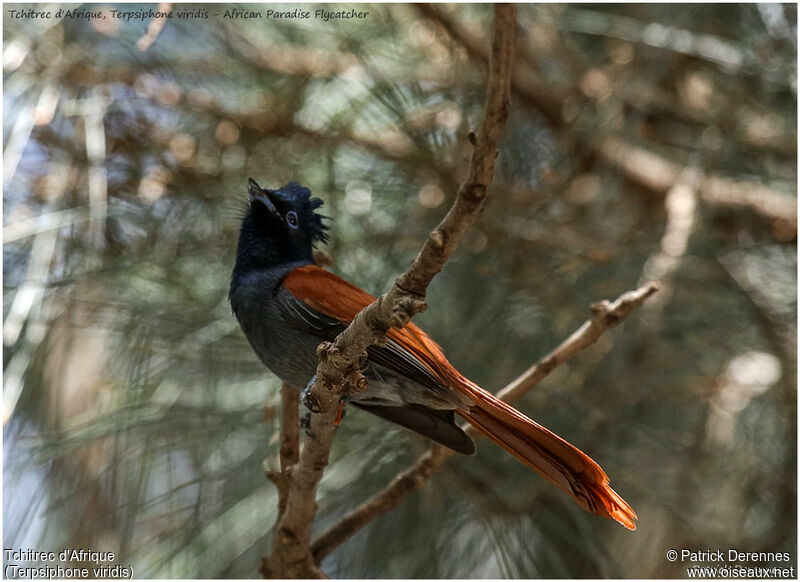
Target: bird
{"type": "Point", "coordinates": [287, 305]}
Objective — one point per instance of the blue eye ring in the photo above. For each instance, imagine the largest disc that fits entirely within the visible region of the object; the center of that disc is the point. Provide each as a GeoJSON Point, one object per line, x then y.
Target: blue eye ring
{"type": "Point", "coordinates": [291, 219]}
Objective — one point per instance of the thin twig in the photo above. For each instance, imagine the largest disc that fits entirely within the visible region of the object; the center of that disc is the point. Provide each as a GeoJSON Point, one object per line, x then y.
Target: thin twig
{"type": "Point", "coordinates": [340, 362]}
{"type": "Point", "coordinates": [407, 481]}
{"type": "Point", "coordinates": [289, 443]}
{"type": "Point", "coordinates": [606, 315]}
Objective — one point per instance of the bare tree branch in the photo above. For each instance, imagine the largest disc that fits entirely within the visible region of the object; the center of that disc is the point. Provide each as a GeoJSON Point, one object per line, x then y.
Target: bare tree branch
{"type": "Point", "coordinates": [289, 443]}
{"type": "Point", "coordinates": [340, 362]}
{"type": "Point", "coordinates": [405, 482]}
{"type": "Point", "coordinates": [290, 557]}
{"type": "Point", "coordinates": [606, 315]}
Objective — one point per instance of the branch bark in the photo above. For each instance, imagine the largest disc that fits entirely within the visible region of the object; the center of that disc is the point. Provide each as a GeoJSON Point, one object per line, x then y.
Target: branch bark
{"type": "Point", "coordinates": [340, 362]}
{"type": "Point", "coordinates": [289, 452]}
{"type": "Point", "coordinates": [606, 314]}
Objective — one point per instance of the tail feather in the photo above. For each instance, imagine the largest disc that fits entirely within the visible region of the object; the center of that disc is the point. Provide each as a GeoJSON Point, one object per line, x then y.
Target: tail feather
{"type": "Point", "coordinates": [555, 459]}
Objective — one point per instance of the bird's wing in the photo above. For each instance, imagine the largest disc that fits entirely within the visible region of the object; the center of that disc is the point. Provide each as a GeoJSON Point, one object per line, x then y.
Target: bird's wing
{"type": "Point", "coordinates": [323, 304]}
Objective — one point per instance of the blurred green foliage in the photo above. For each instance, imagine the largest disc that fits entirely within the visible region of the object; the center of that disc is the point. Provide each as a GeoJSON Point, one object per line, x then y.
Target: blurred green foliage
{"type": "Point", "coordinates": [136, 418]}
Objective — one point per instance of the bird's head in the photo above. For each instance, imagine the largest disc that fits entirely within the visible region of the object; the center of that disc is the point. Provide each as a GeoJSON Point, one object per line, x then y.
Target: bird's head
{"type": "Point", "coordinates": [280, 226]}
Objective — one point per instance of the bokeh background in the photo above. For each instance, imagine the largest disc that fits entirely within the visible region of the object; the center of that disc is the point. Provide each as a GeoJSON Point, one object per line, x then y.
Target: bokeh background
{"type": "Point", "coordinates": [645, 142]}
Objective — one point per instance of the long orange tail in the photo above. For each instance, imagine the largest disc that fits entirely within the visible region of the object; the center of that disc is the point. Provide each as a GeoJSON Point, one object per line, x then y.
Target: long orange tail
{"type": "Point", "coordinates": [552, 457]}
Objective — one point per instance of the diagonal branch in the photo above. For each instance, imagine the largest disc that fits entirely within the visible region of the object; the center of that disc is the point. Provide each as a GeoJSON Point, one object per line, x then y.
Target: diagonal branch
{"type": "Point", "coordinates": [605, 316]}
{"type": "Point", "coordinates": [338, 372]}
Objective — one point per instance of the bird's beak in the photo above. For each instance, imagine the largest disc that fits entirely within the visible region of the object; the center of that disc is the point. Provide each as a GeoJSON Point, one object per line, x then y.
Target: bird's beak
{"type": "Point", "coordinates": [257, 193]}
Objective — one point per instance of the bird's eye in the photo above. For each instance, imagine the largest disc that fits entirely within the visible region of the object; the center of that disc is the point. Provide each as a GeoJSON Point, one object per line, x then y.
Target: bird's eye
{"type": "Point", "coordinates": [291, 219]}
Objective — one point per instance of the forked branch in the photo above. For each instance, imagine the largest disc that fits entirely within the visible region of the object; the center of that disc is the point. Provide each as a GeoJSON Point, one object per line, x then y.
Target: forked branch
{"type": "Point", "coordinates": [338, 373]}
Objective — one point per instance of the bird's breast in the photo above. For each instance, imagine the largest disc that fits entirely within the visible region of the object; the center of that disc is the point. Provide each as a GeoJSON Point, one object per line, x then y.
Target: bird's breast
{"type": "Point", "coordinates": [288, 352]}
